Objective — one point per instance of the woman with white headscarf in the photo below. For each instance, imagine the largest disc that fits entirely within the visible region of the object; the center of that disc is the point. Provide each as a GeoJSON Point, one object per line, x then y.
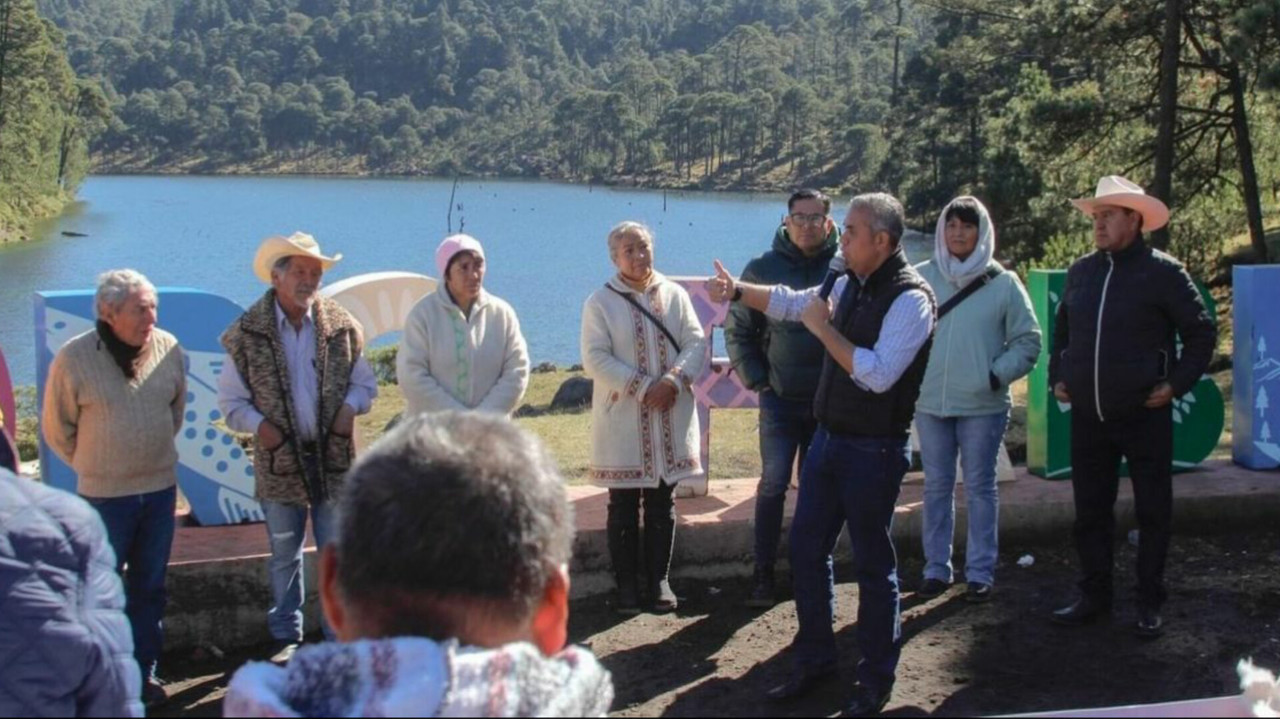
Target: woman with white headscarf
{"type": "Point", "coordinates": [987, 337]}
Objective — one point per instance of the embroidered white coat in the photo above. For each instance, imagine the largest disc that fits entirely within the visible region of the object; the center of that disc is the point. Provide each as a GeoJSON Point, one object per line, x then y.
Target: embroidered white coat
{"type": "Point", "coordinates": [625, 353]}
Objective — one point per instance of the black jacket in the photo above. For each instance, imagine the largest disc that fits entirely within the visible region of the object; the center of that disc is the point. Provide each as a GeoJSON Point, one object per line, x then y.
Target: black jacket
{"type": "Point", "coordinates": [772, 353]}
{"type": "Point", "coordinates": [1114, 337]}
{"type": "Point", "coordinates": [840, 404]}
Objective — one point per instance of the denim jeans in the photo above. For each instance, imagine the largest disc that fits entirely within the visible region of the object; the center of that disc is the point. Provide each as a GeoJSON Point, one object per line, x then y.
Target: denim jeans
{"type": "Point", "coordinates": [786, 429]}
{"type": "Point", "coordinates": [140, 529]}
{"type": "Point", "coordinates": [853, 480]}
{"type": "Point", "coordinates": [977, 441]}
{"type": "Point", "coordinates": [286, 531]}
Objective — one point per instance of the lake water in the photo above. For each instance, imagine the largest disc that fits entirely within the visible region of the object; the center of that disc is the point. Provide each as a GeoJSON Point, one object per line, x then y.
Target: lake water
{"type": "Point", "coordinates": [544, 242]}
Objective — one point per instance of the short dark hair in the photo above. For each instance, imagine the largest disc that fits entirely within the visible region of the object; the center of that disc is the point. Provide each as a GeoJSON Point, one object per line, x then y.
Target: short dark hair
{"type": "Point", "coordinates": [449, 515]}
{"type": "Point", "coordinates": [965, 208]}
{"type": "Point", "coordinates": [808, 193]}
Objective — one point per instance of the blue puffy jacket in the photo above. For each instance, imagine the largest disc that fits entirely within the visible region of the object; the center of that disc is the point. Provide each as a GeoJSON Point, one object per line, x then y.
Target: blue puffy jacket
{"type": "Point", "coordinates": [65, 644]}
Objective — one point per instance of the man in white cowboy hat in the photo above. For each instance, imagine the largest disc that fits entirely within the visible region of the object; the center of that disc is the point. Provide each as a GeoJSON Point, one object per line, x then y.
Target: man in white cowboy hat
{"type": "Point", "coordinates": [296, 380]}
{"type": "Point", "coordinates": [1114, 358]}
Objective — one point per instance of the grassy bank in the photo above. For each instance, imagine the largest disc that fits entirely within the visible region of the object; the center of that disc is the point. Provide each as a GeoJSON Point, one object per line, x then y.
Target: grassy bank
{"type": "Point", "coordinates": [735, 448]}
{"type": "Point", "coordinates": [20, 222]}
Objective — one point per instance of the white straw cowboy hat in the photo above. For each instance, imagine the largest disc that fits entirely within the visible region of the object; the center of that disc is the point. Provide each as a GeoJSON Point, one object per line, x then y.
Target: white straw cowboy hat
{"type": "Point", "coordinates": [1115, 190]}
{"type": "Point", "coordinates": [298, 244]}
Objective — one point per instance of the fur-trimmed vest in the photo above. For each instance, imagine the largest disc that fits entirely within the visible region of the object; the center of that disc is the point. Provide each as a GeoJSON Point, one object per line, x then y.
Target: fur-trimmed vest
{"type": "Point", "coordinates": [254, 345]}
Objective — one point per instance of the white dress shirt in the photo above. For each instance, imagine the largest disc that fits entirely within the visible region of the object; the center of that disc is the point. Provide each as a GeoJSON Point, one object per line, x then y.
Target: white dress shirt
{"type": "Point", "coordinates": [906, 328]}
{"type": "Point", "coordinates": [236, 402]}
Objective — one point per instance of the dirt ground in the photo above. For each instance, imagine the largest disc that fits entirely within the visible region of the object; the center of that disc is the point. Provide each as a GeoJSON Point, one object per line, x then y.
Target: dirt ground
{"type": "Point", "coordinates": [715, 657]}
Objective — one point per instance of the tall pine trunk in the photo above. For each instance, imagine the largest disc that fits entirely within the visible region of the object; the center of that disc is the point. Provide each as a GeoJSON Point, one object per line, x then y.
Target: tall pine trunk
{"type": "Point", "coordinates": [1248, 173]}
{"type": "Point", "coordinates": [1162, 184]}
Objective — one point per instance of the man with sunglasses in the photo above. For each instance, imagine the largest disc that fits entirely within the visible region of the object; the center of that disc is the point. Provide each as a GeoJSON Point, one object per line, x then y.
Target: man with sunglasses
{"type": "Point", "coordinates": [782, 361]}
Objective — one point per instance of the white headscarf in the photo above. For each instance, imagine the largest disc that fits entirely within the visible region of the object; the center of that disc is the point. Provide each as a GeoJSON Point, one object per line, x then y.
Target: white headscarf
{"type": "Point", "coordinates": [957, 272]}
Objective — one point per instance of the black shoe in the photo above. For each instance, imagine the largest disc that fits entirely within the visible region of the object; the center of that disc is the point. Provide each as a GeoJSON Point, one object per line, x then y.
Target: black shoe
{"type": "Point", "coordinates": [628, 599]}
{"type": "Point", "coordinates": [866, 702]}
{"type": "Point", "coordinates": [1150, 624]}
{"type": "Point", "coordinates": [978, 593]}
{"type": "Point", "coordinates": [153, 693]}
{"type": "Point", "coordinates": [932, 588]}
{"type": "Point", "coordinates": [763, 594]}
{"type": "Point", "coordinates": [799, 684]}
{"type": "Point", "coordinates": [624, 548]}
{"type": "Point", "coordinates": [1083, 611]}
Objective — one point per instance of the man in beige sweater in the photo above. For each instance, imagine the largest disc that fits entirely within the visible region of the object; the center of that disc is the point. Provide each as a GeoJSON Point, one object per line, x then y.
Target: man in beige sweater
{"type": "Point", "coordinates": [112, 406]}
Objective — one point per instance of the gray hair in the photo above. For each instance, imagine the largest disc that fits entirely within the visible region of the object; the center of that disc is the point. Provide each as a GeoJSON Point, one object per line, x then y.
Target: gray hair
{"type": "Point", "coordinates": [885, 211]}
{"type": "Point", "coordinates": [448, 515]}
{"type": "Point", "coordinates": [116, 286]}
{"type": "Point", "coordinates": [628, 229]}
{"type": "Point", "coordinates": [281, 265]}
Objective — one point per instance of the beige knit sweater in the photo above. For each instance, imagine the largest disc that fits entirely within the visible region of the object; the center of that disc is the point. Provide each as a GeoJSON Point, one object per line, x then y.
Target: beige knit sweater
{"type": "Point", "coordinates": [115, 433]}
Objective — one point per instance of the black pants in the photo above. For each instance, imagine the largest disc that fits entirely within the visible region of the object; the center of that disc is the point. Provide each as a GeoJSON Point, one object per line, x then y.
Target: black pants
{"type": "Point", "coordinates": [659, 508]}
{"type": "Point", "coordinates": [1144, 439]}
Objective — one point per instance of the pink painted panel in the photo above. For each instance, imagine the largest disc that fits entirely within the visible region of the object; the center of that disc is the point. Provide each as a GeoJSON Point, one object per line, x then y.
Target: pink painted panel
{"type": "Point", "coordinates": [719, 387]}
{"type": "Point", "coordinates": [7, 406]}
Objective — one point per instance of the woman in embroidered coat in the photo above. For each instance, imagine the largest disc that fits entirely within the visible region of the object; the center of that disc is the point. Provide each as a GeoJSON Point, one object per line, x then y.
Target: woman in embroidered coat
{"type": "Point", "coordinates": [645, 436]}
{"type": "Point", "coordinates": [462, 348]}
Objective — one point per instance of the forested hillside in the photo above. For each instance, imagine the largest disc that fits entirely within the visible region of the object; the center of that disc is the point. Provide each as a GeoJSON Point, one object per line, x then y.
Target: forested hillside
{"type": "Point", "coordinates": [1023, 102]}
{"type": "Point", "coordinates": [46, 117]}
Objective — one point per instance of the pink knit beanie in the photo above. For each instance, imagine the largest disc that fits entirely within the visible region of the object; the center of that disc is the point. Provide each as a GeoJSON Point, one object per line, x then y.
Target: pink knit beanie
{"type": "Point", "coordinates": [452, 245]}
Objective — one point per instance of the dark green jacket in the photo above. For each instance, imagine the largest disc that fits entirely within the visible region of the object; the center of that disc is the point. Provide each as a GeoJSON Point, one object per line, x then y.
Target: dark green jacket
{"type": "Point", "coordinates": [773, 353]}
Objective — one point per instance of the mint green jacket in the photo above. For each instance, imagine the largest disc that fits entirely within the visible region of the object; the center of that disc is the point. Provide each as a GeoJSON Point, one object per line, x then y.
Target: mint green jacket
{"type": "Point", "coordinates": [987, 342]}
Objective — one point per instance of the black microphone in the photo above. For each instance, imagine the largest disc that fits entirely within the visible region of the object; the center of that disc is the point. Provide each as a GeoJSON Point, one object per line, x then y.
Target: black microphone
{"type": "Point", "coordinates": [834, 270]}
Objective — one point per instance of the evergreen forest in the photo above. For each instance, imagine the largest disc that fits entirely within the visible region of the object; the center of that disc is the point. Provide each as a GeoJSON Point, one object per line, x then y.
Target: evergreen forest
{"type": "Point", "coordinates": [1023, 103]}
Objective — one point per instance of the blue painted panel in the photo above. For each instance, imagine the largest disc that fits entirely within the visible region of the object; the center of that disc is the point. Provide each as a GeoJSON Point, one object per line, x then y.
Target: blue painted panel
{"type": "Point", "coordinates": [214, 473]}
{"type": "Point", "coordinates": [1256, 370]}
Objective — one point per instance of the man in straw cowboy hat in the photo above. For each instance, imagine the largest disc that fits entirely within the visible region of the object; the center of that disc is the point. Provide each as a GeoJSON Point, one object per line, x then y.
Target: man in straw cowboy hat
{"type": "Point", "coordinates": [1114, 358]}
{"type": "Point", "coordinates": [296, 380]}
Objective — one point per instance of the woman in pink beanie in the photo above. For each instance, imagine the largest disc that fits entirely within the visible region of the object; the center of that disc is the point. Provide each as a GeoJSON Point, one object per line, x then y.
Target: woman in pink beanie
{"type": "Point", "coordinates": [462, 347]}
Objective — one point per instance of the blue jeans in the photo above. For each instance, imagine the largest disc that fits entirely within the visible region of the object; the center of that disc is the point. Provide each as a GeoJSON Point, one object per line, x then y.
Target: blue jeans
{"type": "Point", "coordinates": [140, 529]}
{"type": "Point", "coordinates": [853, 480]}
{"type": "Point", "coordinates": [786, 429]}
{"type": "Point", "coordinates": [286, 531]}
{"type": "Point", "coordinates": [977, 440]}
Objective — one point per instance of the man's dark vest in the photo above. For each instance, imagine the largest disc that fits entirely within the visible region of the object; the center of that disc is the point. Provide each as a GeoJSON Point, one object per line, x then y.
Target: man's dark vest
{"type": "Point", "coordinates": [842, 406]}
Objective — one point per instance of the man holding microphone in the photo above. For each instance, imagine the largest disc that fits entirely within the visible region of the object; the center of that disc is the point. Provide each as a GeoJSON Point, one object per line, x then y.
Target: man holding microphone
{"type": "Point", "coordinates": [877, 346]}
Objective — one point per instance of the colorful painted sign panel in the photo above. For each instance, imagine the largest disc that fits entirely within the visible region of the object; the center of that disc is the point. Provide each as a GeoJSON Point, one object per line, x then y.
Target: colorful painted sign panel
{"type": "Point", "coordinates": [719, 387]}
{"type": "Point", "coordinates": [214, 473]}
{"type": "Point", "coordinates": [1255, 421]}
{"type": "Point", "coordinates": [8, 407]}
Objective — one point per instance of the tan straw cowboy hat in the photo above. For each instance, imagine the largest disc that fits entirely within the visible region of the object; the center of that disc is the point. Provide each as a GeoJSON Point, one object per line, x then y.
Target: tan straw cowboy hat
{"type": "Point", "coordinates": [275, 247]}
{"type": "Point", "coordinates": [1117, 191]}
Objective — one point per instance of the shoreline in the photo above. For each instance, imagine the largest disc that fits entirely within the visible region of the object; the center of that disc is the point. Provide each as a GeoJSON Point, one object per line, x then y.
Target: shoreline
{"type": "Point", "coordinates": [355, 169]}
{"type": "Point", "coordinates": [48, 209]}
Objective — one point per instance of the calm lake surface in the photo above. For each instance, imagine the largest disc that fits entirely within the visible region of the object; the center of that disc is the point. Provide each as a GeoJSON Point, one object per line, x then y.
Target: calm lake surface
{"type": "Point", "coordinates": [545, 242]}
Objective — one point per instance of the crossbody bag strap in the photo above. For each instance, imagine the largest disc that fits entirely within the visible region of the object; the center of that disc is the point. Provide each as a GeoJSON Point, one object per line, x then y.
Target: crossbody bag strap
{"type": "Point", "coordinates": [968, 291]}
{"type": "Point", "coordinates": [657, 322]}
